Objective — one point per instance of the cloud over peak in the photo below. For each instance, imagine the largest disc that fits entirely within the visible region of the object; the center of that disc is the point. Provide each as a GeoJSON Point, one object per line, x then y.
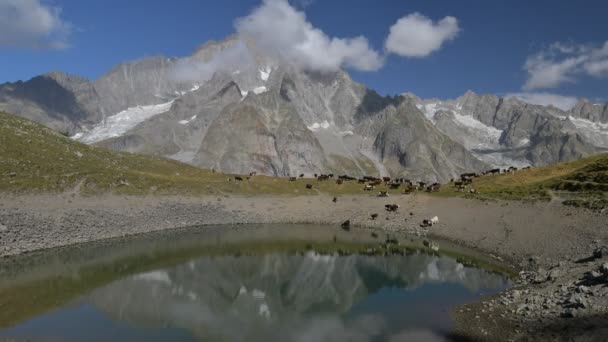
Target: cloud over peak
{"type": "Point", "coordinates": [565, 63]}
{"type": "Point", "coordinates": [418, 36]}
{"type": "Point", "coordinates": [280, 28]}
{"type": "Point", "coordinates": [31, 24]}
{"type": "Point", "coordinates": [545, 99]}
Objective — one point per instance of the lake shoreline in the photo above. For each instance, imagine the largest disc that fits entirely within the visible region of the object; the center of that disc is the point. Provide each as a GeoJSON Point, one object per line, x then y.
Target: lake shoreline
{"type": "Point", "coordinates": [543, 239]}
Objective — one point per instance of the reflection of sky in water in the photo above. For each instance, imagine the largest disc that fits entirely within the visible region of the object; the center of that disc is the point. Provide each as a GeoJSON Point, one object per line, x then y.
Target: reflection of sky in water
{"type": "Point", "coordinates": [275, 297]}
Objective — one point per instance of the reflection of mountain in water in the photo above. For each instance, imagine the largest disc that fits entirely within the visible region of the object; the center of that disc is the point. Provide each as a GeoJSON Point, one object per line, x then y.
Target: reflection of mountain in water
{"type": "Point", "coordinates": [277, 296]}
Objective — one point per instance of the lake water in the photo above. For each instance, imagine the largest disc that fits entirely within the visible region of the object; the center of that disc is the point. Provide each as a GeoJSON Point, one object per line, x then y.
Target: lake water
{"type": "Point", "coordinates": [258, 283]}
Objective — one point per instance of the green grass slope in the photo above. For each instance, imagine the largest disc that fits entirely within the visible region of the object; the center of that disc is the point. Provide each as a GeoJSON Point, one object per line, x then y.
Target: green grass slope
{"type": "Point", "coordinates": [34, 159]}
{"type": "Point", "coordinates": [582, 182]}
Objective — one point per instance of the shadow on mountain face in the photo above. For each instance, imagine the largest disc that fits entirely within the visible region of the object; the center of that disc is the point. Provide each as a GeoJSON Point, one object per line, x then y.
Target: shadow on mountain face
{"type": "Point", "coordinates": [49, 94]}
{"type": "Point", "coordinates": [373, 103]}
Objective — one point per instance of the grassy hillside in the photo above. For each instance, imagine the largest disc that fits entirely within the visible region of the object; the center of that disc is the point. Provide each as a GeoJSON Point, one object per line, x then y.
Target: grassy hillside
{"type": "Point", "coordinates": [34, 158]}
{"type": "Point", "coordinates": [582, 182]}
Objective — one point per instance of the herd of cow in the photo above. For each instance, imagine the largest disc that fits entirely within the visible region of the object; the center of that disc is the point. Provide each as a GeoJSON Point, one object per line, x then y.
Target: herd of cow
{"type": "Point", "coordinates": [467, 178]}
{"type": "Point", "coordinates": [370, 183]}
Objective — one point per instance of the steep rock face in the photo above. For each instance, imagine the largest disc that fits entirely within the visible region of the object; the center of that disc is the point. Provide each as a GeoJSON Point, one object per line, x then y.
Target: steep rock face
{"type": "Point", "coordinates": [505, 131]}
{"type": "Point", "coordinates": [550, 144]}
{"type": "Point", "coordinates": [60, 101]}
{"type": "Point", "coordinates": [178, 132]}
{"type": "Point", "coordinates": [142, 82]}
{"type": "Point", "coordinates": [591, 111]}
{"type": "Point", "coordinates": [410, 146]}
{"type": "Point", "coordinates": [262, 133]}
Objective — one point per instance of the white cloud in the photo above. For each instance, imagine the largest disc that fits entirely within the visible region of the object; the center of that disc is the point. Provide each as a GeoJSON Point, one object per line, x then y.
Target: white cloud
{"type": "Point", "coordinates": [545, 99]}
{"type": "Point", "coordinates": [417, 36]}
{"type": "Point", "coordinates": [32, 24]}
{"type": "Point", "coordinates": [563, 63]}
{"type": "Point", "coordinates": [193, 69]}
{"type": "Point", "coordinates": [279, 28]}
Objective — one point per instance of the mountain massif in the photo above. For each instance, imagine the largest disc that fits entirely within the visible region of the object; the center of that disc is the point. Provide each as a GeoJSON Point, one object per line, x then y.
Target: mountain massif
{"type": "Point", "coordinates": [260, 113]}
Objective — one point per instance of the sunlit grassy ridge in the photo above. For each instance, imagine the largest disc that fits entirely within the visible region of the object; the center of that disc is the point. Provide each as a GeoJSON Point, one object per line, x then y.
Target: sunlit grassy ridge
{"type": "Point", "coordinates": [34, 158]}
{"type": "Point", "coordinates": [581, 182]}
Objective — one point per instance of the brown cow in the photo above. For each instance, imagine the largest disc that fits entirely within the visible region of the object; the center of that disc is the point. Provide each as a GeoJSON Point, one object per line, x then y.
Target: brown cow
{"type": "Point", "coordinates": [391, 207]}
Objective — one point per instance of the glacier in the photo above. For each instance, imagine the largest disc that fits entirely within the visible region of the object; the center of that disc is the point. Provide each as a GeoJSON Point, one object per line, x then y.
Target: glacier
{"type": "Point", "coordinates": [119, 123]}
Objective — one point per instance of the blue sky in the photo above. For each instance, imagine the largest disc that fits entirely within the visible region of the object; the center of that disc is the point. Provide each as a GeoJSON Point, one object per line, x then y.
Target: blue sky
{"type": "Point", "coordinates": [497, 47]}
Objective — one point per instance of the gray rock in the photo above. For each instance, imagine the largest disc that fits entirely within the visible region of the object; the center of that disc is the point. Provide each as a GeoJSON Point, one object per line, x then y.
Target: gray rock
{"type": "Point", "coordinates": [600, 252]}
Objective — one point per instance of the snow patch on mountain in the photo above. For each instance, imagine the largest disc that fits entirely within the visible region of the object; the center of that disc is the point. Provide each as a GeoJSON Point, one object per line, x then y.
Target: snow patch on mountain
{"type": "Point", "coordinates": [185, 122]}
{"type": "Point", "coordinates": [429, 110]}
{"type": "Point", "coordinates": [595, 132]}
{"type": "Point", "coordinates": [481, 136]}
{"type": "Point", "coordinates": [500, 159]}
{"type": "Point", "coordinates": [259, 90]}
{"type": "Point", "coordinates": [316, 126]}
{"type": "Point", "coordinates": [265, 73]}
{"type": "Point", "coordinates": [119, 123]}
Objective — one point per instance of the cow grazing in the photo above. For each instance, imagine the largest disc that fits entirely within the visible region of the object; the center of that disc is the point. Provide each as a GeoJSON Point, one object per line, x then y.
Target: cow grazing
{"type": "Point", "coordinates": [386, 179]}
{"type": "Point", "coordinates": [374, 216]}
{"type": "Point", "coordinates": [292, 179]}
{"type": "Point", "coordinates": [472, 191]}
{"type": "Point", "coordinates": [429, 222]}
{"type": "Point", "coordinates": [339, 181]}
{"type": "Point", "coordinates": [391, 207]}
{"type": "Point", "coordinates": [322, 177]}
{"type": "Point", "coordinates": [345, 225]}
{"type": "Point", "coordinates": [469, 175]}
{"type": "Point", "coordinates": [375, 183]}
{"type": "Point", "coordinates": [383, 194]}
{"type": "Point", "coordinates": [395, 185]}
{"type": "Point", "coordinates": [346, 178]}
{"type": "Point", "coordinates": [361, 181]}
{"type": "Point", "coordinates": [308, 186]}
{"type": "Point", "coordinates": [238, 178]}
{"type": "Point", "coordinates": [368, 187]}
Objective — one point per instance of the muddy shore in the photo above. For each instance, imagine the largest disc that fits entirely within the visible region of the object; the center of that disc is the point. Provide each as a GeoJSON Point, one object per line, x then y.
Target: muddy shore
{"type": "Point", "coordinates": [561, 293]}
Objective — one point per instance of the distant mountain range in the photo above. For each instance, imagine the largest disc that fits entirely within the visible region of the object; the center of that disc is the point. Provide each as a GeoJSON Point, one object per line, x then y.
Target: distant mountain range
{"type": "Point", "coordinates": [264, 114]}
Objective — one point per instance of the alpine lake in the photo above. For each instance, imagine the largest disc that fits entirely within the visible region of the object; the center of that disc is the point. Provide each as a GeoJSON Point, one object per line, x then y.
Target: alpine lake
{"type": "Point", "coordinates": [243, 283]}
